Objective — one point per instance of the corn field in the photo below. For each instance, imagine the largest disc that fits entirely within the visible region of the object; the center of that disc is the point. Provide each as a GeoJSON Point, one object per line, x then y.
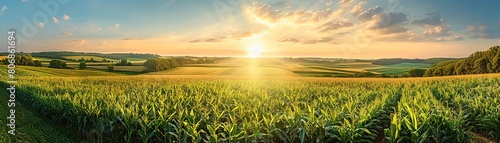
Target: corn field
{"type": "Point", "coordinates": [155, 109]}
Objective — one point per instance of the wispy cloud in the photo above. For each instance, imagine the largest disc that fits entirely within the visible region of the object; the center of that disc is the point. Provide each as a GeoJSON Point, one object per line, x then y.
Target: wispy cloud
{"type": "Point", "coordinates": [150, 38]}
{"type": "Point", "coordinates": [67, 33]}
{"type": "Point", "coordinates": [66, 17]}
{"type": "Point", "coordinates": [232, 36]}
{"type": "Point", "coordinates": [79, 43]}
{"type": "Point", "coordinates": [481, 32]}
{"type": "Point", "coordinates": [41, 24]}
{"type": "Point", "coordinates": [55, 20]}
{"type": "Point", "coordinates": [102, 43]}
{"type": "Point", "coordinates": [4, 8]}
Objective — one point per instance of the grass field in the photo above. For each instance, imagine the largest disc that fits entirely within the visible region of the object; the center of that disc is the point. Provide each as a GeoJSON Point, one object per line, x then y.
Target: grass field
{"type": "Point", "coordinates": [33, 126]}
{"type": "Point", "coordinates": [399, 68]}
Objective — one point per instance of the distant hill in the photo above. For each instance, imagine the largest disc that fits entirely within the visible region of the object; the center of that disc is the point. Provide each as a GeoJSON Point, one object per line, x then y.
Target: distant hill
{"type": "Point", "coordinates": [63, 54]}
{"type": "Point", "coordinates": [477, 63]}
{"type": "Point", "coordinates": [393, 61]}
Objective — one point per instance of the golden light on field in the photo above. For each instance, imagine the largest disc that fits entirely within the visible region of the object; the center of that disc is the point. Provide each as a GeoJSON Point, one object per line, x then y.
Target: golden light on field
{"type": "Point", "coordinates": [254, 51]}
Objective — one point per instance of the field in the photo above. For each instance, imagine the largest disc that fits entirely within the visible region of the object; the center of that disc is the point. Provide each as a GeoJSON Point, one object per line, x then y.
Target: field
{"type": "Point", "coordinates": [253, 100]}
{"type": "Point", "coordinates": [216, 108]}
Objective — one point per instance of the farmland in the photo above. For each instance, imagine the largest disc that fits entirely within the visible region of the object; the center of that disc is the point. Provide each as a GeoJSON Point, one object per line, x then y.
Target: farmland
{"type": "Point", "coordinates": [193, 108]}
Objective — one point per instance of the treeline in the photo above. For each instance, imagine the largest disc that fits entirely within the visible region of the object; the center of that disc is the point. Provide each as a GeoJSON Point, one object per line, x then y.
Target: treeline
{"type": "Point", "coordinates": [393, 61]}
{"type": "Point", "coordinates": [62, 54]}
{"type": "Point", "coordinates": [478, 63]}
{"type": "Point", "coordinates": [92, 60]}
{"type": "Point", "coordinates": [160, 64]}
{"type": "Point", "coordinates": [23, 60]}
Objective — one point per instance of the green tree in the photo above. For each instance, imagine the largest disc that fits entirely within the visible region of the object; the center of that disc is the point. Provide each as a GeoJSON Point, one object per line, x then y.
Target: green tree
{"type": "Point", "coordinates": [495, 63]}
{"type": "Point", "coordinates": [480, 66]}
{"type": "Point", "coordinates": [365, 74]}
{"type": "Point", "coordinates": [111, 68]}
{"type": "Point", "coordinates": [416, 72]}
{"type": "Point", "coordinates": [57, 64]}
{"type": "Point", "coordinates": [37, 63]}
{"type": "Point", "coordinates": [82, 65]}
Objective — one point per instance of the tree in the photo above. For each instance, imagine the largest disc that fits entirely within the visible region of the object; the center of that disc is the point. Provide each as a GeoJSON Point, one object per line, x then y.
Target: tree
{"type": "Point", "coordinates": [57, 64]}
{"type": "Point", "coordinates": [416, 72]}
{"type": "Point", "coordinates": [480, 66]}
{"type": "Point", "coordinates": [123, 62]}
{"type": "Point", "coordinates": [495, 63]}
{"type": "Point", "coordinates": [150, 65]}
{"type": "Point", "coordinates": [82, 65]}
{"type": "Point", "coordinates": [81, 59]}
{"type": "Point", "coordinates": [37, 63]}
{"type": "Point", "coordinates": [92, 60]}
{"type": "Point", "coordinates": [365, 74]}
{"type": "Point", "coordinates": [111, 68]}
{"type": "Point", "coordinates": [154, 65]}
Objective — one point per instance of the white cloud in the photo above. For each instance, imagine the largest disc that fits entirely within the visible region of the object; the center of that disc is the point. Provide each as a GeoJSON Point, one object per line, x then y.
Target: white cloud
{"type": "Point", "coordinates": [117, 25]}
{"type": "Point", "coordinates": [4, 8]}
{"type": "Point", "coordinates": [55, 20]}
{"type": "Point", "coordinates": [67, 33]}
{"type": "Point", "coordinates": [41, 24]}
{"type": "Point", "coordinates": [24, 0]}
{"type": "Point", "coordinates": [334, 25]}
{"type": "Point", "coordinates": [481, 31]}
{"type": "Point", "coordinates": [79, 43]}
{"type": "Point", "coordinates": [358, 8]}
{"type": "Point", "coordinates": [102, 43]}
{"type": "Point", "coordinates": [66, 17]}
{"type": "Point", "coordinates": [434, 19]}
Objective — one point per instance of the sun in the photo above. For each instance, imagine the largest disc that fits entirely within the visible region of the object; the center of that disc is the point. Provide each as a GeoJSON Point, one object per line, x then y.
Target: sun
{"type": "Point", "coordinates": [254, 51]}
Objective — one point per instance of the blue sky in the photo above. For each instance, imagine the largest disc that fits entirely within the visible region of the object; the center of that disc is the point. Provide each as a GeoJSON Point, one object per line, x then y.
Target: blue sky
{"type": "Point", "coordinates": [324, 28]}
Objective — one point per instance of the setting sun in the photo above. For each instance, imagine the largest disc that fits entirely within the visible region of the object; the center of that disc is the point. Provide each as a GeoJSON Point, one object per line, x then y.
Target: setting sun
{"type": "Point", "coordinates": [254, 51]}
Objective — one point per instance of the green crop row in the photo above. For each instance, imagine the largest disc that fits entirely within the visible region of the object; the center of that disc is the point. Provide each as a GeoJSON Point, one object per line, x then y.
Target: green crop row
{"type": "Point", "coordinates": [153, 109]}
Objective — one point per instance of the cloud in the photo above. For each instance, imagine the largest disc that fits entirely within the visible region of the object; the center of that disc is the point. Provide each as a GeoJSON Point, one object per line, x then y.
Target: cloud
{"type": "Point", "coordinates": [438, 31]}
{"type": "Point", "coordinates": [334, 25]}
{"type": "Point", "coordinates": [327, 39]}
{"type": "Point", "coordinates": [367, 15]}
{"type": "Point", "coordinates": [66, 17]}
{"type": "Point", "coordinates": [24, 0]}
{"type": "Point", "coordinates": [434, 19]}
{"type": "Point", "coordinates": [117, 25]}
{"type": "Point", "coordinates": [498, 41]}
{"type": "Point", "coordinates": [55, 20]}
{"type": "Point", "coordinates": [481, 32]}
{"type": "Point", "coordinates": [346, 2]}
{"type": "Point", "coordinates": [79, 42]}
{"type": "Point", "coordinates": [67, 33]}
{"type": "Point", "coordinates": [151, 38]}
{"type": "Point", "coordinates": [102, 43]}
{"type": "Point", "coordinates": [232, 36]}
{"type": "Point", "coordinates": [268, 15]}
{"type": "Point", "coordinates": [4, 8]}
{"type": "Point", "coordinates": [357, 9]}
{"type": "Point", "coordinates": [41, 24]}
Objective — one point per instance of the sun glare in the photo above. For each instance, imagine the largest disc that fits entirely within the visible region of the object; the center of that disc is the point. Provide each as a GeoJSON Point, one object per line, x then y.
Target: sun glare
{"type": "Point", "coordinates": [254, 51]}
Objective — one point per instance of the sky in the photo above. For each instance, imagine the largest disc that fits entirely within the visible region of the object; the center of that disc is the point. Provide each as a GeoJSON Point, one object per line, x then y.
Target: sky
{"type": "Point", "coordinates": [240, 28]}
